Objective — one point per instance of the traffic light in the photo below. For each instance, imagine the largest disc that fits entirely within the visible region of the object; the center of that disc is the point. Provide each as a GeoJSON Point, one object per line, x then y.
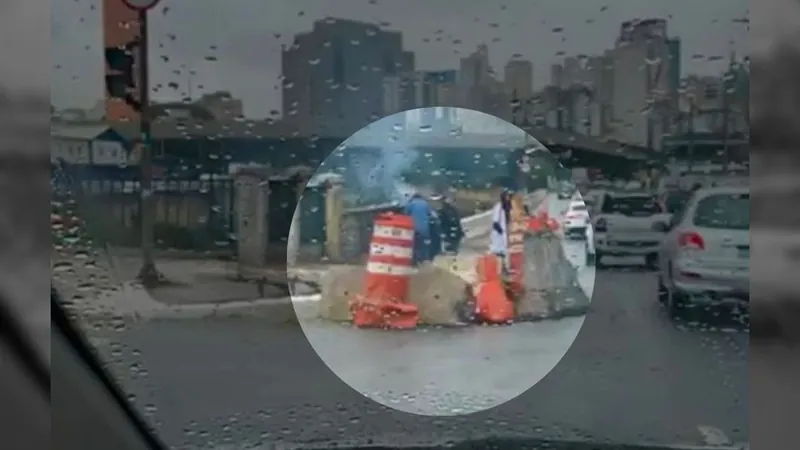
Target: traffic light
{"type": "Point", "coordinates": [119, 80]}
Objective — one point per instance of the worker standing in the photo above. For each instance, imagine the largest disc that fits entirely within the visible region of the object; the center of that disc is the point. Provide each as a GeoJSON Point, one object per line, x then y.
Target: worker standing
{"type": "Point", "coordinates": [420, 212]}
{"type": "Point", "coordinates": [501, 218]}
{"type": "Point", "coordinates": [452, 230]}
{"type": "Point", "coordinates": [435, 242]}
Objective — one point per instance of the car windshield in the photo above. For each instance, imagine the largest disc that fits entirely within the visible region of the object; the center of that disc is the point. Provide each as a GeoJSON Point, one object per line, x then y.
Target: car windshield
{"type": "Point", "coordinates": [631, 205]}
{"type": "Point", "coordinates": [725, 211]}
{"type": "Point", "coordinates": [236, 241]}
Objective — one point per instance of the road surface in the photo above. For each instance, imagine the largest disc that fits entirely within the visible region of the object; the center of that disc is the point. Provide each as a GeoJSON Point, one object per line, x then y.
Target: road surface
{"type": "Point", "coordinates": [630, 376]}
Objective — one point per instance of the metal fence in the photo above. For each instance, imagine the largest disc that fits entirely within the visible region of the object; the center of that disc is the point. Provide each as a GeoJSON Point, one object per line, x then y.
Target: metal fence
{"type": "Point", "coordinates": [356, 232]}
{"type": "Point", "coordinates": [190, 214]}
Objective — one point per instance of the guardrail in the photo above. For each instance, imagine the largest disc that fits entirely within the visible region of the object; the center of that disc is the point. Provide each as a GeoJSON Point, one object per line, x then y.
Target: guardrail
{"type": "Point", "coordinates": [474, 225]}
{"type": "Point", "coordinates": [352, 228]}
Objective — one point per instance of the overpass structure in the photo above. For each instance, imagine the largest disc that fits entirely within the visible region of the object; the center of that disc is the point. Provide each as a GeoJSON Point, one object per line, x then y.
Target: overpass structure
{"type": "Point", "coordinates": [477, 159]}
{"type": "Point", "coordinates": [269, 142]}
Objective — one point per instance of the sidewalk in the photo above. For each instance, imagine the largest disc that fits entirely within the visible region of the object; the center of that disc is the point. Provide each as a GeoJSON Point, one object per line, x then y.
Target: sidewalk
{"type": "Point", "coordinates": [213, 295]}
{"type": "Point", "coordinates": [204, 287]}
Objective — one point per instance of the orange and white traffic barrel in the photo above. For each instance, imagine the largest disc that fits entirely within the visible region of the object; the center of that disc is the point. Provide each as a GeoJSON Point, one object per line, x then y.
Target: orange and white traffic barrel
{"type": "Point", "coordinates": [384, 298]}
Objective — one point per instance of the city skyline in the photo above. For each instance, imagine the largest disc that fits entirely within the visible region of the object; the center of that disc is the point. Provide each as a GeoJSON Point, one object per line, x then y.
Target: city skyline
{"type": "Point", "coordinates": [248, 65]}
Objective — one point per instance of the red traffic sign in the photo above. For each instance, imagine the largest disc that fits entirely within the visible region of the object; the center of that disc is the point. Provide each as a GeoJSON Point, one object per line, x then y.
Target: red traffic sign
{"type": "Point", "coordinates": [140, 5]}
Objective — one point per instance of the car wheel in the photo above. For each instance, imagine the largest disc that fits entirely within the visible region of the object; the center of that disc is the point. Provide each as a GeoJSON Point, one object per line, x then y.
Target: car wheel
{"type": "Point", "coordinates": [676, 304]}
{"type": "Point", "coordinates": [663, 292]}
{"type": "Point", "coordinates": [598, 260]}
{"type": "Point", "coordinates": [651, 261]}
{"type": "Point", "coordinates": [591, 258]}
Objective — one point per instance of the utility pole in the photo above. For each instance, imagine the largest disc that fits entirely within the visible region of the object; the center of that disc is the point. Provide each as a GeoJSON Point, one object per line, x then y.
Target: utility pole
{"type": "Point", "coordinates": [148, 274]}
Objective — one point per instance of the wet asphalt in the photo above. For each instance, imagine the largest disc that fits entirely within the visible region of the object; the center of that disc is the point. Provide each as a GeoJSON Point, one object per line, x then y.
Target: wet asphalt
{"type": "Point", "coordinates": [625, 373]}
{"type": "Point", "coordinates": [630, 375]}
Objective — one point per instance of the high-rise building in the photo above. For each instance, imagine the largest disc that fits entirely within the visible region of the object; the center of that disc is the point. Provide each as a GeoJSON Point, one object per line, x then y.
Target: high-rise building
{"type": "Point", "coordinates": [398, 93]}
{"type": "Point", "coordinates": [518, 78]}
{"type": "Point", "coordinates": [573, 72]}
{"type": "Point", "coordinates": [423, 89]}
{"type": "Point", "coordinates": [599, 78]}
{"type": "Point", "coordinates": [475, 79]}
{"type": "Point", "coordinates": [556, 75]}
{"type": "Point", "coordinates": [432, 84]}
{"type": "Point", "coordinates": [419, 90]}
{"type": "Point", "coordinates": [674, 69]}
{"type": "Point", "coordinates": [475, 68]}
{"type": "Point", "coordinates": [334, 75]}
{"type": "Point", "coordinates": [642, 82]}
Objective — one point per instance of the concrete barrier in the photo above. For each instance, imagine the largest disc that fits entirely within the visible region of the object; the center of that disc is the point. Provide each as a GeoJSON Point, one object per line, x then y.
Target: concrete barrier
{"type": "Point", "coordinates": [443, 297]}
{"type": "Point", "coordinates": [552, 288]}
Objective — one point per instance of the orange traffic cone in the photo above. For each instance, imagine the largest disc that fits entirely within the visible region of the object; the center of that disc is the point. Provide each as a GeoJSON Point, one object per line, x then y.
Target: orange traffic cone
{"type": "Point", "coordinates": [383, 302]}
{"type": "Point", "coordinates": [534, 224]}
{"type": "Point", "coordinates": [491, 300]}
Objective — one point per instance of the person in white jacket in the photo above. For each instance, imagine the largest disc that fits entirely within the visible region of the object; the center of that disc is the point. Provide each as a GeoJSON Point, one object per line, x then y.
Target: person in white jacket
{"type": "Point", "coordinates": [501, 217]}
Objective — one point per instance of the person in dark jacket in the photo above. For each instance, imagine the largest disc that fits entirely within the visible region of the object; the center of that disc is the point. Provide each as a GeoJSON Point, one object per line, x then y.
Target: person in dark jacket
{"type": "Point", "coordinates": [420, 211]}
{"type": "Point", "coordinates": [450, 222]}
{"type": "Point", "coordinates": [435, 242]}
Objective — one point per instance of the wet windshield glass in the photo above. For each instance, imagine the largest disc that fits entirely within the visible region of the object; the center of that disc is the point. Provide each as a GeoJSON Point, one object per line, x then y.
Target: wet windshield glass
{"type": "Point", "coordinates": [728, 212]}
{"type": "Point", "coordinates": [344, 221]}
{"type": "Point", "coordinates": [631, 205]}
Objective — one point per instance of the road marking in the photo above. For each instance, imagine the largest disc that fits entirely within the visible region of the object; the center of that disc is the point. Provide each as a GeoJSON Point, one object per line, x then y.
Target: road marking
{"type": "Point", "coordinates": [713, 436]}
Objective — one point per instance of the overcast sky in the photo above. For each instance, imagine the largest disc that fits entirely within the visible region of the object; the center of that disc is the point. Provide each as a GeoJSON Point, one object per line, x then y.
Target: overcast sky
{"type": "Point", "coordinates": [241, 34]}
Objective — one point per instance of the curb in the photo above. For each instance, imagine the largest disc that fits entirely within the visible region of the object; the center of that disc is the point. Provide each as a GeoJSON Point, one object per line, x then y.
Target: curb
{"type": "Point", "coordinates": [262, 308]}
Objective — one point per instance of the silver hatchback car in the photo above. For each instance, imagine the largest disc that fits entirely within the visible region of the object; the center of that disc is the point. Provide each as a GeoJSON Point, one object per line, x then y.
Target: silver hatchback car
{"type": "Point", "coordinates": [704, 259]}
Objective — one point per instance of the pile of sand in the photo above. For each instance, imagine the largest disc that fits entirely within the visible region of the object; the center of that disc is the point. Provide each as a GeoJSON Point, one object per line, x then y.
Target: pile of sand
{"type": "Point", "coordinates": [442, 296]}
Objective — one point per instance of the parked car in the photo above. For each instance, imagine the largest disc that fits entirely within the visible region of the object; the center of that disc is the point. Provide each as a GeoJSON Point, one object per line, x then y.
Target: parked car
{"type": "Point", "coordinates": [705, 256]}
{"type": "Point", "coordinates": [591, 252]}
{"type": "Point", "coordinates": [628, 223]}
{"type": "Point", "coordinates": [565, 190]}
{"type": "Point", "coordinates": [576, 219]}
{"type": "Point", "coordinates": [592, 196]}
